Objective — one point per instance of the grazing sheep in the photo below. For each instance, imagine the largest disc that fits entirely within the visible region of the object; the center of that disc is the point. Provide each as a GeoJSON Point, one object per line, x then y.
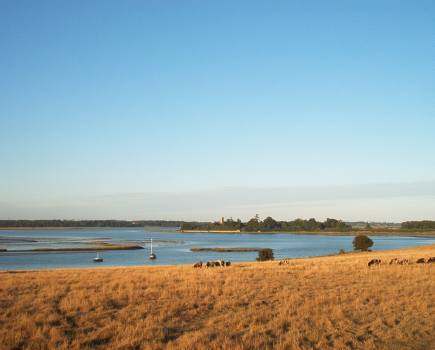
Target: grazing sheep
{"type": "Point", "coordinates": [374, 262]}
{"type": "Point", "coordinates": [431, 260]}
{"type": "Point", "coordinates": [198, 264]}
{"type": "Point", "coordinates": [399, 261]}
{"type": "Point", "coordinates": [421, 261]}
{"type": "Point", "coordinates": [217, 263]}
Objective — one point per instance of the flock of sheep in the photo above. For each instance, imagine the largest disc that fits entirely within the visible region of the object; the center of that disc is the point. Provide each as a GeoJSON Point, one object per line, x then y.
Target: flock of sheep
{"type": "Point", "coordinates": [402, 261]}
{"type": "Point", "coordinates": [222, 263]}
{"type": "Point", "coordinates": [216, 263]}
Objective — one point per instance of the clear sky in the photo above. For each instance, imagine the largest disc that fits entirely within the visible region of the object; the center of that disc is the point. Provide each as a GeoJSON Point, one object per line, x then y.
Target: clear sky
{"type": "Point", "coordinates": [197, 109]}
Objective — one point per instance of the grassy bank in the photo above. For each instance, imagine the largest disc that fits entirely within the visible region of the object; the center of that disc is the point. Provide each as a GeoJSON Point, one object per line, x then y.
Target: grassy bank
{"type": "Point", "coordinates": [319, 303]}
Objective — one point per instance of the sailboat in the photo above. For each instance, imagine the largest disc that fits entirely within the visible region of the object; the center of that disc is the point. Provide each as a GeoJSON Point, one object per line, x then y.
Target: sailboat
{"type": "Point", "coordinates": [98, 258]}
{"type": "Point", "coordinates": [152, 256]}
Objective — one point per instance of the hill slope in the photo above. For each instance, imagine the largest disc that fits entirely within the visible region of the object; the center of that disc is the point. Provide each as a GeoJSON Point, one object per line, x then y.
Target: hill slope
{"type": "Point", "coordinates": [319, 303]}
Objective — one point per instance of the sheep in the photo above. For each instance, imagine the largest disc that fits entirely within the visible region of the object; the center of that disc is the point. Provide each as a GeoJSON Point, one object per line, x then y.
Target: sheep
{"type": "Point", "coordinates": [218, 263]}
{"type": "Point", "coordinates": [198, 264]}
{"type": "Point", "coordinates": [374, 262]}
{"type": "Point", "coordinates": [399, 261]}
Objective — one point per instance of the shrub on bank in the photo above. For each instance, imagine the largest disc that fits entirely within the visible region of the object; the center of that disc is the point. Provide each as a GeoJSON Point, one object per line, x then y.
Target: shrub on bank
{"type": "Point", "coordinates": [362, 242]}
{"type": "Point", "coordinates": [265, 254]}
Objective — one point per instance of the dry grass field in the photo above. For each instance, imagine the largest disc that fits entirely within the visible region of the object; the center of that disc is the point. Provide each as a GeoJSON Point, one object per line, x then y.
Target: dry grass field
{"type": "Point", "coordinates": [317, 303]}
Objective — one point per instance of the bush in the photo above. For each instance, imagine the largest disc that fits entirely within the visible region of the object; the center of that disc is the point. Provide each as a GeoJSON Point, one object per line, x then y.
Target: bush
{"type": "Point", "coordinates": [362, 242]}
{"type": "Point", "coordinates": [265, 254]}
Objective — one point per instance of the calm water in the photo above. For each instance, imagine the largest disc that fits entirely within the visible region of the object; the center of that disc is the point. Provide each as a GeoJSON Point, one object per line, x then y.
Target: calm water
{"type": "Point", "coordinates": [171, 247]}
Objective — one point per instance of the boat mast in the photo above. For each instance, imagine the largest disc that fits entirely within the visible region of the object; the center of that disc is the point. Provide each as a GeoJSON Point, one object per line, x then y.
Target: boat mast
{"type": "Point", "coordinates": [152, 255]}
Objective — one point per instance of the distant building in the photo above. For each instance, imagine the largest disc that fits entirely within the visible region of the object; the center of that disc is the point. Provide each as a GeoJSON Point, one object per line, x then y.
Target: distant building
{"type": "Point", "coordinates": [222, 220]}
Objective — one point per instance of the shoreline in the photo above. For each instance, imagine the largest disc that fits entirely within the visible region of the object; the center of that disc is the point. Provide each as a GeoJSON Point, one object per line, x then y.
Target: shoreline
{"type": "Point", "coordinates": [428, 234]}
{"type": "Point", "coordinates": [399, 233]}
{"type": "Point", "coordinates": [357, 254]}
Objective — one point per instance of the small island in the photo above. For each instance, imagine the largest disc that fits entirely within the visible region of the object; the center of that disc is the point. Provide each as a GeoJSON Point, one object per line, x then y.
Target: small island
{"type": "Point", "coordinates": [97, 248]}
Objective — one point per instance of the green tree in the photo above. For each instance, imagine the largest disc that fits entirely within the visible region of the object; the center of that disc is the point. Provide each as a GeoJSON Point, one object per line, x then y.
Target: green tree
{"type": "Point", "coordinates": [312, 224]}
{"type": "Point", "coordinates": [423, 225]}
{"type": "Point", "coordinates": [270, 224]}
{"type": "Point", "coordinates": [253, 225]}
{"type": "Point", "coordinates": [362, 242]}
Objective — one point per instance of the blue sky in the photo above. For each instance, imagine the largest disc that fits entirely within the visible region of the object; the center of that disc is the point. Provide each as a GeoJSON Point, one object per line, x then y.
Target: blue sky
{"type": "Point", "coordinates": [213, 102]}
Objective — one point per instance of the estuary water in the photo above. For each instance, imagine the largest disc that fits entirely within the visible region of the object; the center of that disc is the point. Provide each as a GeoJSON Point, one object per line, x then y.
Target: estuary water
{"type": "Point", "coordinates": [170, 246]}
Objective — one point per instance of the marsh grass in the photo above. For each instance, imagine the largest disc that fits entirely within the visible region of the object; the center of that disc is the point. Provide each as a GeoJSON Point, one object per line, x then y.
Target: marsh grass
{"type": "Point", "coordinates": [318, 303]}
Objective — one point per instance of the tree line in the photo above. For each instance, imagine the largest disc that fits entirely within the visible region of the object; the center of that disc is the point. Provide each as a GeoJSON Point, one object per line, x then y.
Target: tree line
{"type": "Point", "coordinates": [421, 225]}
{"type": "Point", "coordinates": [252, 225]}
{"type": "Point", "coordinates": [88, 223]}
{"type": "Point", "coordinates": [270, 225]}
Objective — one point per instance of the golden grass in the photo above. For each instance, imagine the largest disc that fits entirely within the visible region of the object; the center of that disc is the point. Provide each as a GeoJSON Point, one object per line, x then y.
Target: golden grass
{"type": "Point", "coordinates": [319, 303]}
